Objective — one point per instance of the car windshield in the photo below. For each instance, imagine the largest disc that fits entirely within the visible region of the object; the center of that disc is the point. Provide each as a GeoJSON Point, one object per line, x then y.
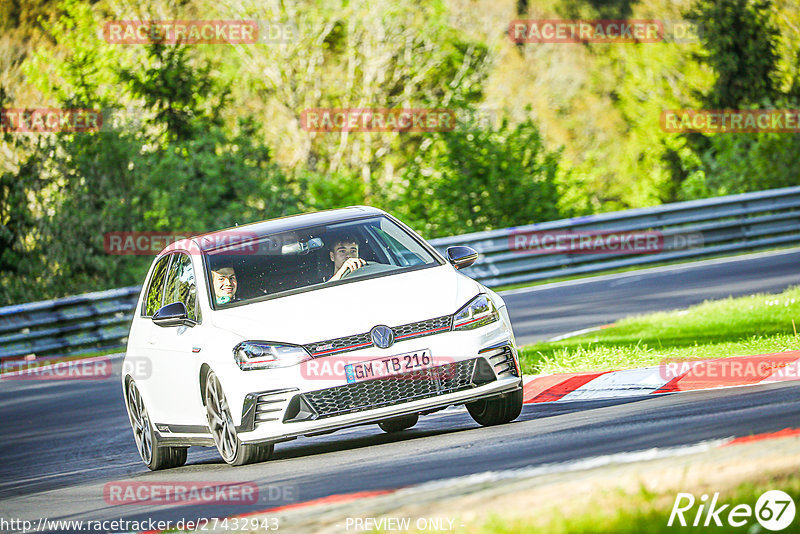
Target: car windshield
{"type": "Point", "coordinates": [312, 258]}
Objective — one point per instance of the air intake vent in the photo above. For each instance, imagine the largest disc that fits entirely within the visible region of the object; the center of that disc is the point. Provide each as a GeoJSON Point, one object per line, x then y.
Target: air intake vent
{"type": "Point", "coordinates": [393, 390]}
{"type": "Point", "coordinates": [262, 407]}
{"type": "Point", "coordinates": [502, 360]}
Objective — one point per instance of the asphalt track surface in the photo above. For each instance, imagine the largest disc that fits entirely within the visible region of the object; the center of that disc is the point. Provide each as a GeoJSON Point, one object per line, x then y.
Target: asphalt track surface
{"type": "Point", "coordinates": [62, 441]}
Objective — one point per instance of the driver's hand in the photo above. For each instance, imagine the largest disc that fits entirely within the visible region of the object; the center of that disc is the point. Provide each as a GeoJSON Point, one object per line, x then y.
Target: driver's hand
{"type": "Point", "coordinates": [350, 265]}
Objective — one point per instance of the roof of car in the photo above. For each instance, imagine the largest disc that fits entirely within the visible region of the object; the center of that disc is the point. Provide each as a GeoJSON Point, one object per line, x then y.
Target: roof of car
{"type": "Point", "coordinates": [247, 232]}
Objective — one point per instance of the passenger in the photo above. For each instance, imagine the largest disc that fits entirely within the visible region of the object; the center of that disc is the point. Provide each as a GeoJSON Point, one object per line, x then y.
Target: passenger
{"type": "Point", "coordinates": [224, 280]}
{"type": "Point", "coordinates": [344, 255]}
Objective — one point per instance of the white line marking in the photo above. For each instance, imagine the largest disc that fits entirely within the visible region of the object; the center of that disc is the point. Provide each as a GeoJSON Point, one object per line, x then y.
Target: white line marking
{"type": "Point", "coordinates": [566, 467]}
{"type": "Point", "coordinates": [67, 473]}
{"type": "Point", "coordinates": [575, 333]}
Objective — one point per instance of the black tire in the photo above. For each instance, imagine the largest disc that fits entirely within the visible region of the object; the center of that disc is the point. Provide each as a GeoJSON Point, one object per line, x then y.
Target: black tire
{"type": "Point", "coordinates": [154, 455]}
{"type": "Point", "coordinates": [220, 424]}
{"type": "Point", "coordinates": [398, 424]}
{"type": "Point", "coordinates": [496, 410]}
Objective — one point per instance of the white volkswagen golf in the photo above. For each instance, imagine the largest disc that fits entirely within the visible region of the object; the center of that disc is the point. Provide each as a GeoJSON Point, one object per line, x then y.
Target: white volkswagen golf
{"type": "Point", "coordinates": [303, 325]}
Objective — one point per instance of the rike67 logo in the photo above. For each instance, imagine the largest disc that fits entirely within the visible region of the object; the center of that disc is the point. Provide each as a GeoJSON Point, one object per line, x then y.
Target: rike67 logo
{"type": "Point", "coordinates": [774, 510]}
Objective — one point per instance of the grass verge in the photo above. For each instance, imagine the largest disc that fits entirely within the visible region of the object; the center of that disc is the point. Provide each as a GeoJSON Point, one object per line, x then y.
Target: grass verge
{"type": "Point", "coordinates": [647, 511]}
{"type": "Point", "coordinates": [757, 324]}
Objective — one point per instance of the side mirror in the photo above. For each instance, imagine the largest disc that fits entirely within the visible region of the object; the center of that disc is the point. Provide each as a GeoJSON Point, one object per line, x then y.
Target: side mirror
{"type": "Point", "coordinates": [461, 257]}
{"type": "Point", "coordinates": [174, 314]}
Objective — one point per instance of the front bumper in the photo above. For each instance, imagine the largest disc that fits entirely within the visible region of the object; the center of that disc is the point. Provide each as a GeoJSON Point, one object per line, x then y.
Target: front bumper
{"type": "Point", "coordinates": [265, 404]}
{"type": "Point", "coordinates": [283, 413]}
{"type": "Point", "coordinates": [372, 416]}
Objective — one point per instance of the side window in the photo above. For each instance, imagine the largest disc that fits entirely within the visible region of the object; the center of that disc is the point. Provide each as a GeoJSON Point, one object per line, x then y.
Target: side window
{"type": "Point", "coordinates": [153, 298]}
{"type": "Point", "coordinates": [181, 285]}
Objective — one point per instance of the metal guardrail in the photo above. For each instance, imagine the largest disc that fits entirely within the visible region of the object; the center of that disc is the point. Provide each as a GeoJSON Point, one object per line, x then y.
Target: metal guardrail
{"type": "Point", "coordinates": [73, 325]}
{"type": "Point", "coordinates": [736, 223]}
{"type": "Point", "coordinates": [748, 222]}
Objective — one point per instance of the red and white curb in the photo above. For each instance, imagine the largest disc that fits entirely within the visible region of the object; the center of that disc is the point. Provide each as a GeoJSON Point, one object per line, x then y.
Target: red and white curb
{"type": "Point", "coordinates": [669, 377]}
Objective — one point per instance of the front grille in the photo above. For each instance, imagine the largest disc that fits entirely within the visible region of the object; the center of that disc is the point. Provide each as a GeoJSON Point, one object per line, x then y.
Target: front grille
{"type": "Point", "coordinates": [341, 344]}
{"type": "Point", "coordinates": [422, 328]}
{"type": "Point", "coordinates": [396, 389]}
{"type": "Point", "coordinates": [404, 332]}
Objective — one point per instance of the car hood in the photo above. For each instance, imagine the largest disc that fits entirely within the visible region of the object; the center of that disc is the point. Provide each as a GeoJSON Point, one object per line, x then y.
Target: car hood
{"type": "Point", "coordinates": [349, 309]}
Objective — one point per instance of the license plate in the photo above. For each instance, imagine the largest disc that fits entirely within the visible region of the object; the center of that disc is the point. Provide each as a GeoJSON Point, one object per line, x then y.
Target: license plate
{"type": "Point", "coordinates": [388, 366]}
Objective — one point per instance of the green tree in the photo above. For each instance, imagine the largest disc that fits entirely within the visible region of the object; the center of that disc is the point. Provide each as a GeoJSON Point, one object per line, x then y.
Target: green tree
{"type": "Point", "coordinates": [178, 170]}
{"type": "Point", "coordinates": [379, 54]}
{"type": "Point", "coordinates": [479, 180]}
{"type": "Point", "coordinates": [180, 93]}
{"type": "Point", "coordinates": [742, 42]}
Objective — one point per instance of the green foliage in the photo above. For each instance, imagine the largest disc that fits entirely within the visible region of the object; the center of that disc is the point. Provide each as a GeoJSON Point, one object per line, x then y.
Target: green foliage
{"type": "Point", "coordinates": [741, 40]}
{"type": "Point", "coordinates": [746, 162]}
{"type": "Point", "coordinates": [480, 179]}
{"type": "Point", "coordinates": [24, 13]}
{"type": "Point", "coordinates": [82, 75]}
{"type": "Point", "coordinates": [329, 191]}
{"type": "Point", "coordinates": [18, 220]}
{"type": "Point", "coordinates": [175, 89]}
{"type": "Point", "coordinates": [211, 181]}
{"type": "Point", "coordinates": [742, 45]}
{"type": "Point", "coordinates": [199, 177]}
{"type": "Point", "coordinates": [212, 135]}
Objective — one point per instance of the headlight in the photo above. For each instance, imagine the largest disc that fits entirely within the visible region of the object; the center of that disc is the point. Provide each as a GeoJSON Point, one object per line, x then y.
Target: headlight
{"type": "Point", "coordinates": [250, 355]}
{"type": "Point", "coordinates": [478, 312]}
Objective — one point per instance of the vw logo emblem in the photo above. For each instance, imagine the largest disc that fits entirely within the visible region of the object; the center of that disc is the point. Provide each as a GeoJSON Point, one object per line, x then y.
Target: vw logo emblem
{"type": "Point", "coordinates": [382, 336]}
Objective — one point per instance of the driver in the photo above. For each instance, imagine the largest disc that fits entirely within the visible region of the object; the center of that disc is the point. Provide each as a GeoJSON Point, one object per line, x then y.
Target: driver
{"type": "Point", "coordinates": [223, 278]}
{"type": "Point", "coordinates": [344, 255]}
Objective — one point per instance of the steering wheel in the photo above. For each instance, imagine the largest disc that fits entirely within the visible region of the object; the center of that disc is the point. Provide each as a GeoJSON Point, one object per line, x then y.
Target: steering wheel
{"type": "Point", "coordinates": [365, 266]}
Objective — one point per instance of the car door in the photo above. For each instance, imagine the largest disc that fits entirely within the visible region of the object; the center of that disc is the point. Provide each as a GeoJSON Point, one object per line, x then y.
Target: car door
{"type": "Point", "coordinates": [139, 358]}
{"type": "Point", "coordinates": [175, 383]}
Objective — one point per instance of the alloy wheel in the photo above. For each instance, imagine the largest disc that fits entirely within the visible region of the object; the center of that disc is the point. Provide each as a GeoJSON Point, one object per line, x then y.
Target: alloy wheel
{"type": "Point", "coordinates": [140, 422]}
{"type": "Point", "coordinates": [220, 421]}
